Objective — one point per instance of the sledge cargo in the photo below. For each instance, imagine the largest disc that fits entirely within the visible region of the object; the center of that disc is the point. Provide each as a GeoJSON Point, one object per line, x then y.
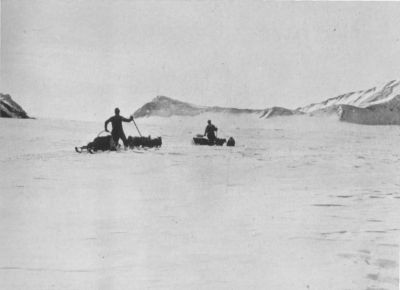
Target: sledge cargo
{"type": "Point", "coordinates": [100, 143]}
{"type": "Point", "coordinates": [201, 140]}
{"type": "Point", "coordinates": [106, 143]}
{"type": "Point", "coordinates": [144, 142]}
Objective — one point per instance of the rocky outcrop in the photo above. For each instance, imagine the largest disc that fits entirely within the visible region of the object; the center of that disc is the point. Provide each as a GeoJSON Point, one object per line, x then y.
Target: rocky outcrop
{"type": "Point", "coordinates": [10, 109]}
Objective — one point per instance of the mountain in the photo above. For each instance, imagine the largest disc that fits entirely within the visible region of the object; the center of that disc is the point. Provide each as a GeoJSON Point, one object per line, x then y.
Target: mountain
{"type": "Point", "coordinates": [375, 106]}
{"type": "Point", "coordinates": [362, 99]}
{"type": "Point", "coordinates": [10, 109]}
{"type": "Point", "coordinates": [165, 107]}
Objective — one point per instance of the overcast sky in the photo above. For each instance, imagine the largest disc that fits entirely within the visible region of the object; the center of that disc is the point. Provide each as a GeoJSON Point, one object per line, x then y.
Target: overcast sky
{"type": "Point", "coordinates": [80, 59]}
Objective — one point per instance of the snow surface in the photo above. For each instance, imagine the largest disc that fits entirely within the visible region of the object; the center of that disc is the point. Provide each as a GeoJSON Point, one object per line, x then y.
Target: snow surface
{"type": "Point", "coordinates": [297, 204]}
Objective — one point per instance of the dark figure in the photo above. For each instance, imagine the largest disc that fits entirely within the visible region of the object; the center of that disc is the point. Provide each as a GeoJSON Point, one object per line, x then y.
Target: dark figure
{"type": "Point", "coordinates": [210, 129]}
{"type": "Point", "coordinates": [117, 131]}
{"type": "Point", "coordinates": [231, 142]}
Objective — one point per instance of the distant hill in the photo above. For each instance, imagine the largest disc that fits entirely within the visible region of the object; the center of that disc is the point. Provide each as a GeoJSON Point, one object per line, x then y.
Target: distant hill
{"type": "Point", "coordinates": [10, 109]}
{"type": "Point", "coordinates": [166, 107]}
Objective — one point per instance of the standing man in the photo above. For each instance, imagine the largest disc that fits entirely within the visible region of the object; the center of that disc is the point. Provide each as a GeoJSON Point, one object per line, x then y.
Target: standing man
{"type": "Point", "coordinates": [210, 129]}
{"type": "Point", "coordinates": [117, 131]}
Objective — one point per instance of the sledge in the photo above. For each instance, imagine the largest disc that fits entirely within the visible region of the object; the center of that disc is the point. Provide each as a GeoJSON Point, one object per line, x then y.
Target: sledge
{"type": "Point", "coordinates": [100, 143]}
{"type": "Point", "coordinates": [106, 143]}
{"type": "Point", "coordinates": [201, 140]}
{"type": "Point", "coordinates": [144, 142]}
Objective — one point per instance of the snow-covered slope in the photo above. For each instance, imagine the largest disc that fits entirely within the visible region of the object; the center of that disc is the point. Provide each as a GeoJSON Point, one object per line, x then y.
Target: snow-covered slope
{"type": "Point", "coordinates": [362, 99]}
{"type": "Point", "coordinates": [10, 109]}
{"type": "Point", "coordinates": [278, 111]}
{"type": "Point", "coordinates": [386, 113]}
{"type": "Point", "coordinates": [165, 107]}
{"type": "Point", "coordinates": [374, 106]}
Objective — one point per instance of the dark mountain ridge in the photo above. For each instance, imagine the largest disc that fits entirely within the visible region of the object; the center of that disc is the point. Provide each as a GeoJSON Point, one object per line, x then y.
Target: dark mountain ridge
{"type": "Point", "coordinates": [10, 109]}
{"type": "Point", "coordinates": [166, 107]}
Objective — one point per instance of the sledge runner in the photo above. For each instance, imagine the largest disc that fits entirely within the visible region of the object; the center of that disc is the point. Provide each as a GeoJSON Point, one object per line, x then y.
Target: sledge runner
{"type": "Point", "coordinates": [117, 131]}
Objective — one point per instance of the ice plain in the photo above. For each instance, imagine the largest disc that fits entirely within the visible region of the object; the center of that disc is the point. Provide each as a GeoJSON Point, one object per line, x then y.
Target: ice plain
{"type": "Point", "coordinates": [300, 203]}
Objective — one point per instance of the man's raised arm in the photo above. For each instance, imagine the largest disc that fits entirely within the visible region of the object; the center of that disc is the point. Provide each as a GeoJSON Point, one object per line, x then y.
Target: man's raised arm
{"type": "Point", "coordinates": [126, 120]}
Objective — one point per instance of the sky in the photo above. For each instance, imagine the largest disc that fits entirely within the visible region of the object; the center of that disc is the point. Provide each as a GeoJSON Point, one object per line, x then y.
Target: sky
{"type": "Point", "coordinates": [76, 59]}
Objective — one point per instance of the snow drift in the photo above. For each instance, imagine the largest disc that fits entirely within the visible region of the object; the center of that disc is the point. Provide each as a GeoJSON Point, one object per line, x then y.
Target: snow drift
{"type": "Point", "coordinates": [10, 109]}
{"type": "Point", "coordinates": [278, 111]}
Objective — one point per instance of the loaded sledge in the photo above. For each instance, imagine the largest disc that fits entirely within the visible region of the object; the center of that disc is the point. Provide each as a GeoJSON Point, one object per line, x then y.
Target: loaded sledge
{"type": "Point", "coordinates": [212, 138]}
{"type": "Point", "coordinates": [144, 142]}
{"type": "Point", "coordinates": [106, 143]}
{"type": "Point", "coordinates": [102, 143]}
{"type": "Point", "coordinates": [201, 140]}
